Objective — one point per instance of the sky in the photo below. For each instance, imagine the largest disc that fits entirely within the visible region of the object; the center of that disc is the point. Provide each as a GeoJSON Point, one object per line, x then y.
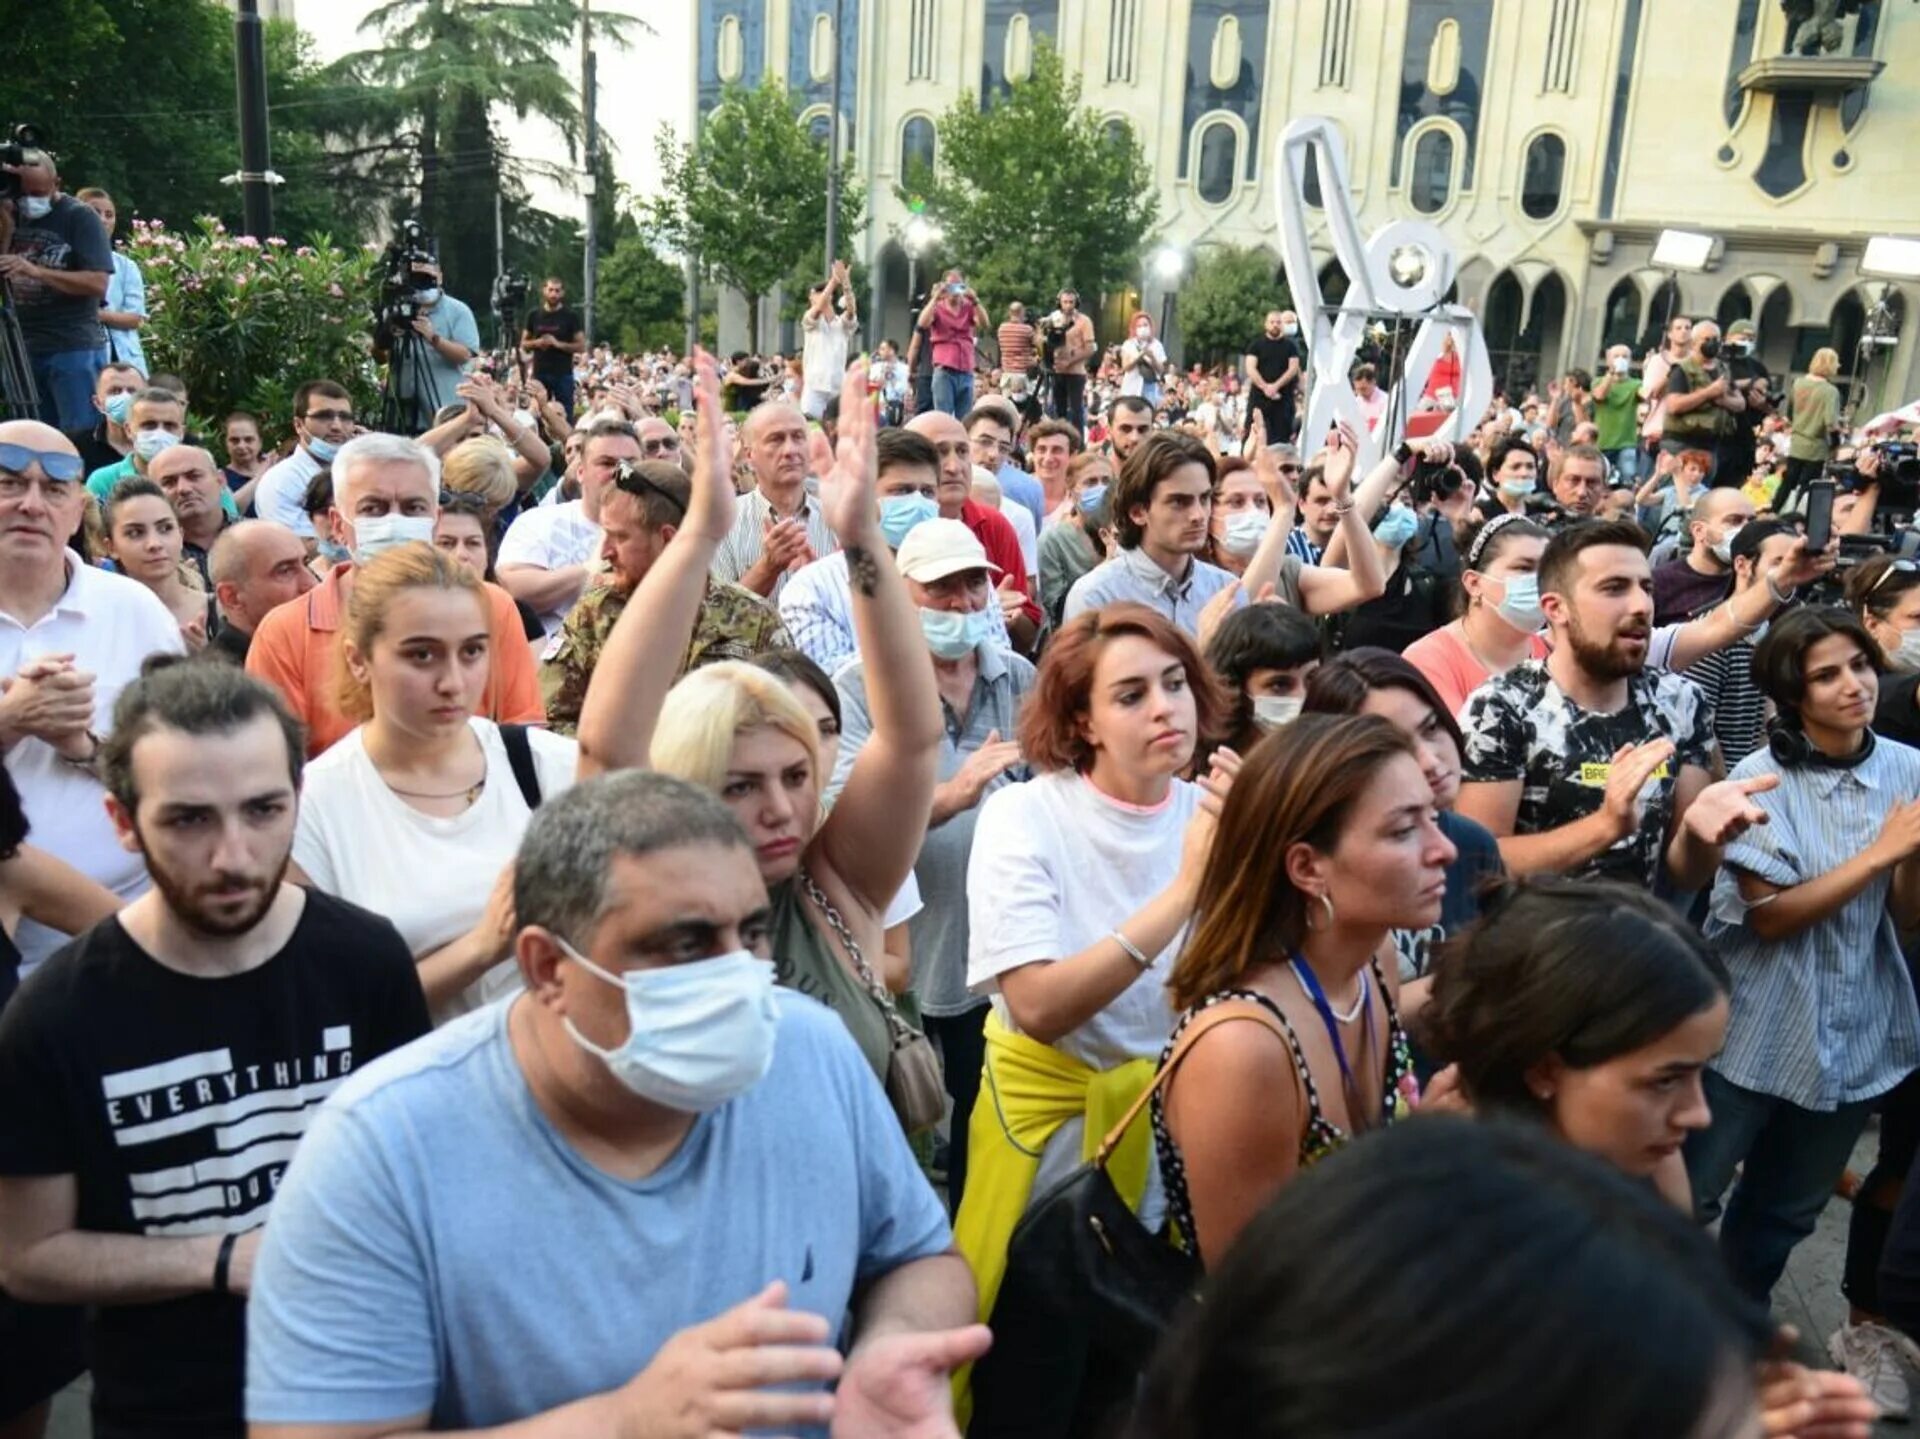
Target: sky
{"type": "Point", "coordinates": [649, 82]}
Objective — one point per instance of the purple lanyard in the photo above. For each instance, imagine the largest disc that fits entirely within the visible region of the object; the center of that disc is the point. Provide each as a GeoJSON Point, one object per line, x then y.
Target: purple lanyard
{"type": "Point", "coordinates": [1311, 983]}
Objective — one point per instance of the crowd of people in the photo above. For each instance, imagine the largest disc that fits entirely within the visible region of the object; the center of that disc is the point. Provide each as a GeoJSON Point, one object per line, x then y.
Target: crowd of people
{"type": "Point", "coordinates": [628, 910]}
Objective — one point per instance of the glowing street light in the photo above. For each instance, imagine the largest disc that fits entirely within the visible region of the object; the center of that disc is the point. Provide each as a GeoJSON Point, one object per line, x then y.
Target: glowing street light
{"type": "Point", "coordinates": [1168, 262]}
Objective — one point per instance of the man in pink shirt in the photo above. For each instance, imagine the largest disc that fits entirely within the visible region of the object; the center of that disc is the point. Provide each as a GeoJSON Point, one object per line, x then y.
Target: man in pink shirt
{"type": "Point", "coordinates": [951, 318]}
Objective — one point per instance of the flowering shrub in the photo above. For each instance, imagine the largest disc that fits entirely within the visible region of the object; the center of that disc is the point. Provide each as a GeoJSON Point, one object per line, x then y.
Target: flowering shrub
{"type": "Point", "coordinates": [245, 322]}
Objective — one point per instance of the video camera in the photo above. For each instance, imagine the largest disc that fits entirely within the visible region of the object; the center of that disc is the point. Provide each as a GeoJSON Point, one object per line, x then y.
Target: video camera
{"type": "Point", "coordinates": [1898, 475]}
{"type": "Point", "coordinates": [408, 266]}
{"type": "Point", "coordinates": [510, 290]}
{"type": "Point", "coordinates": [20, 139]}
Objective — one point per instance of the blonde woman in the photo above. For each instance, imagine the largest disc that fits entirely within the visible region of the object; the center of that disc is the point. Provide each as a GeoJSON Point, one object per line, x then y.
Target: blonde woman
{"type": "Point", "coordinates": [741, 731]}
{"type": "Point", "coordinates": [1814, 406]}
{"type": "Point", "coordinates": [416, 814]}
{"type": "Point", "coordinates": [481, 466]}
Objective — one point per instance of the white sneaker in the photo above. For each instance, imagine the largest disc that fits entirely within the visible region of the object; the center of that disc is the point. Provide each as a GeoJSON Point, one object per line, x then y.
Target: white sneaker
{"type": "Point", "coordinates": [1871, 1354]}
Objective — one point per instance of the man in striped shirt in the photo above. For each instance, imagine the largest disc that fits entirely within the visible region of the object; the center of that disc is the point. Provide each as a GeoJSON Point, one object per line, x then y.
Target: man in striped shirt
{"type": "Point", "coordinates": [1725, 677]}
{"type": "Point", "coordinates": [1016, 340]}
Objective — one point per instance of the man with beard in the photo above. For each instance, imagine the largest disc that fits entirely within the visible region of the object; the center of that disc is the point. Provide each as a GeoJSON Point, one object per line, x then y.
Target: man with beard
{"type": "Point", "coordinates": [1272, 365]}
{"type": "Point", "coordinates": [191, 481]}
{"type": "Point", "coordinates": [176, 1052]}
{"type": "Point", "coordinates": [1131, 422]}
{"type": "Point", "coordinates": [1586, 764]}
{"type": "Point", "coordinates": [640, 510]}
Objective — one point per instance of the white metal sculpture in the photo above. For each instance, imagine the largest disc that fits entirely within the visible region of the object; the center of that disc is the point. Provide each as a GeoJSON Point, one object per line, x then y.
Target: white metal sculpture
{"type": "Point", "coordinates": [1403, 271]}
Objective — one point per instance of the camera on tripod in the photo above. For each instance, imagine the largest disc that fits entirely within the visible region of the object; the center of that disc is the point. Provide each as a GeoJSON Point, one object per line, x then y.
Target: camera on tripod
{"type": "Point", "coordinates": [20, 139]}
{"type": "Point", "coordinates": [409, 265]}
{"type": "Point", "coordinates": [510, 290]}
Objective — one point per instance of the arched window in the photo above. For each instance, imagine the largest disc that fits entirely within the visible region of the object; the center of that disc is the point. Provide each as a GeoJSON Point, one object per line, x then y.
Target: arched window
{"type": "Point", "coordinates": [916, 145]}
{"type": "Point", "coordinates": [1219, 154]}
{"type": "Point", "coordinates": [729, 50]}
{"type": "Point", "coordinates": [817, 129]}
{"type": "Point", "coordinates": [820, 49]}
{"type": "Point", "coordinates": [1543, 177]}
{"type": "Point", "coordinates": [1622, 323]}
{"type": "Point", "coordinates": [1224, 62]}
{"type": "Point", "coordinates": [1430, 181]}
{"type": "Point", "coordinates": [1116, 133]}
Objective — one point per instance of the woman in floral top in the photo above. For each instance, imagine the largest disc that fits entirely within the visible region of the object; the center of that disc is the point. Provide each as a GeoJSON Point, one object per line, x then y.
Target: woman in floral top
{"type": "Point", "coordinates": [1328, 841]}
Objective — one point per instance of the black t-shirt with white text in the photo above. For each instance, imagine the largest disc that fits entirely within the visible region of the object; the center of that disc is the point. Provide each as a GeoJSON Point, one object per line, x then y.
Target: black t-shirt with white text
{"type": "Point", "coordinates": [176, 1103]}
{"type": "Point", "coordinates": [562, 324]}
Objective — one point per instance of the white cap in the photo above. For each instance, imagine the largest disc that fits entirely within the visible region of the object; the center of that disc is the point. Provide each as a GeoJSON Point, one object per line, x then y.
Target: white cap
{"type": "Point", "coordinates": [934, 549]}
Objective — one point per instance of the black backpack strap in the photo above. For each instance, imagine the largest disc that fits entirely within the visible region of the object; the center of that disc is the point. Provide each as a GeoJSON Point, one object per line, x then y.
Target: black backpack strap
{"type": "Point", "coordinates": [520, 758]}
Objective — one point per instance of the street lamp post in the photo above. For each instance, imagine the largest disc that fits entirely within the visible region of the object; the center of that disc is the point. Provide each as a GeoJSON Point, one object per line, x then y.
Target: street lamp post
{"type": "Point", "coordinates": [920, 235]}
{"type": "Point", "coordinates": [1168, 264]}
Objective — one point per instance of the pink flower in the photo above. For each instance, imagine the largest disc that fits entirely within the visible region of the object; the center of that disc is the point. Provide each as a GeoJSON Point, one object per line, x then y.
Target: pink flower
{"type": "Point", "coordinates": [336, 292]}
{"type": "Point", "coordinates": [276, 241]}
{"type": "Point", "coordinates": [305, 252]}
{"type": "Point", "coordinates": [246, 242]}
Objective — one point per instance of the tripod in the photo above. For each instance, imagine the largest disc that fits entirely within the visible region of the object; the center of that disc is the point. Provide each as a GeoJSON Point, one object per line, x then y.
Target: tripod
{"type": "Point", "coordinates": [19, 396]}
{"type": "Point", "coordinates": [406, 399]}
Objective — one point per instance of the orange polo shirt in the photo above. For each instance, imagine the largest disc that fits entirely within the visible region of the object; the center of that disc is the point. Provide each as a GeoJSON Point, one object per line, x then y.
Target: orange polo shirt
{"type": "Point", "coordinates": [297, 649]}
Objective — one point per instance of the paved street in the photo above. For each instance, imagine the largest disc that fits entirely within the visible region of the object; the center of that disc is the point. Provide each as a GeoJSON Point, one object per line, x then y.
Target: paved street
{"type": "Point", "coordinates": [1809, 1299]}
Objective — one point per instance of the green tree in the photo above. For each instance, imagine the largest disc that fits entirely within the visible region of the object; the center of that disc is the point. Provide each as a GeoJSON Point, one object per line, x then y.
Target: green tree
{"type": "Point", "coordinates": [444, 66]}
{"type": "Point", "coordinates": [750, 195]}
{"type": "Point", "coordinates": [643, 297]}
{"type": "Point", "coordinates": [1223, 304]}
{"type": "Point", "coordinates": [137, 96]}
{"type": "Point", "coordinates": [1035, 192]}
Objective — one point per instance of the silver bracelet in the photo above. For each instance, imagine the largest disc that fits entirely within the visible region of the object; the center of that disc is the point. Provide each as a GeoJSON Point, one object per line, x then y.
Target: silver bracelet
{"type": "Point", "coordinates": [1132, 949]}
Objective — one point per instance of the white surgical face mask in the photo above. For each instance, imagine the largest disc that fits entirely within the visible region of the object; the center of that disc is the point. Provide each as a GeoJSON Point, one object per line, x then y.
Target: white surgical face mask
{"type": "Point", "coordinates": [149, 443]}
{"type": "Point", "coordinates": [1244, 531]}
{"type": "Point", "coordinates": [698, 1034]}
{"type": "Point", "coordinates": [1520, 606]}
{"type": "Point", "coordinates": [1723, 547]}
{"type": "Point", "coordinates": [376, 534]}
{"type": "Point", "coordinates": [35, 207]}
{"type": "Point", "coordinates": [1518, 488]}
{"type": "Point", "coordinates": [1289, 330]}
{"type": "Point", "coordinates": [1907, 656]}
{"type": "Point", "coordinates": [953, 634]}
{"type": "Point", "coordinates": [1272, 711]}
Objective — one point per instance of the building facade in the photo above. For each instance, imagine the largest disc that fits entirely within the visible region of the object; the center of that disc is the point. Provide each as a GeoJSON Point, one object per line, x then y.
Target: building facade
{"type": "Point", "coordinates": [1551, 141]}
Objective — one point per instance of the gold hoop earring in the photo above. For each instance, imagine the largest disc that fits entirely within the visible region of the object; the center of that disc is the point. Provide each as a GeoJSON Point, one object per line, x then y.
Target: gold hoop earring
{"type": "Point", "coordinates": [1326, 900]}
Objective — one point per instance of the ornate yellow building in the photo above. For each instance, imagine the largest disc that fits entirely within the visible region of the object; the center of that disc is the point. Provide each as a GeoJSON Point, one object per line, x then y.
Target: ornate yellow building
{"type": "Point", "coordinates": [1551, 140]}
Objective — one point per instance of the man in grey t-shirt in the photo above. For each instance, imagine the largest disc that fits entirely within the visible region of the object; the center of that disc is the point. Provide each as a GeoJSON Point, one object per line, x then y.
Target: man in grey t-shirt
{"type": "Point", "coordinates": [535, 1214]}
{"type": "Point", "coordinates": [56, 262]}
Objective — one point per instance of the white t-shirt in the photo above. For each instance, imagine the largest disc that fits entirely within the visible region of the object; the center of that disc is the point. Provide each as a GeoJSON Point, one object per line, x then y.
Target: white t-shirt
{"type": "Point", "coordinates": [825, 357]}
{"type": "Point", "coordinates": [1021, 518]}
{"type": "Point", "coordinates": [430, 875]}
{"type": "Point", "coordinates": [109, 624]}
{"type": "Point", "coordinates": [1057, 865]}
{"type": "Point", "coordinates": [551, 538]}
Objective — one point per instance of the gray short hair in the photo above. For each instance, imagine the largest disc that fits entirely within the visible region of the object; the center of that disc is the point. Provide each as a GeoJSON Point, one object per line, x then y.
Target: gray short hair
{"type": "Point", "coordinates": [378, 449]}
{"type": "Point", "coordinates": [560, 878]}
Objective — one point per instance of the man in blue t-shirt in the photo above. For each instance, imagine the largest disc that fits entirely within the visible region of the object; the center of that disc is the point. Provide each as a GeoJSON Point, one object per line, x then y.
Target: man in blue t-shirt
{"type": "Point", "coordinates": [651, 1184]}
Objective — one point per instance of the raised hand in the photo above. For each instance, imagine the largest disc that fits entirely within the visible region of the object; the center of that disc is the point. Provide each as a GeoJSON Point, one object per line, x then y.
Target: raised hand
{"type": "Point", "coordinates": [849, 493]}
{"type": "Point", "coordinates": [1342, 450]}
{"type": "Point", "coordinates": [711, 505]}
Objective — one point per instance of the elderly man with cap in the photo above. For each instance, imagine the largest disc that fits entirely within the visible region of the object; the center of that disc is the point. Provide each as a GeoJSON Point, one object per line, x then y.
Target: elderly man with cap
{"type": "Point", "coordinates": [954, 494]}
{"type": "Point", "coordinates": [981, 684]}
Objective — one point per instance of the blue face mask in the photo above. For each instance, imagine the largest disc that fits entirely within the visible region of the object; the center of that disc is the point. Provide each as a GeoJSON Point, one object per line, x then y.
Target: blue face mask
{"type": "Point", "coordinates": [118, 407]}
{"type": "Point", "coordinates": [1092, 503]}
{"type": "Point", "coordinates": [900, 513]}
{"type": "Point", "coordinates": [429, 296]}
{"type": "Point", "coordinates": [322, 450]}
{"type": "Point", "coordinates": [952, 634]}
{"type": "Point", "coordinates": [334, 553]}
{"type": "Point", "coordinates": [1396, 527]}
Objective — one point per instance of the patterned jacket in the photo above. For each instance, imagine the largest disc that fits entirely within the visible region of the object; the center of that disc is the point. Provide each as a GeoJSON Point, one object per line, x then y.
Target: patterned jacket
{"type": "Point", "coordinates": [734, 624]}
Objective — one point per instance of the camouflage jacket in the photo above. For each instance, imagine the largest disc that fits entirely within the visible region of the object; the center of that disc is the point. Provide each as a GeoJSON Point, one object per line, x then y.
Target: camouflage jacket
{"type": "Point", "coordinates": [734, 624]}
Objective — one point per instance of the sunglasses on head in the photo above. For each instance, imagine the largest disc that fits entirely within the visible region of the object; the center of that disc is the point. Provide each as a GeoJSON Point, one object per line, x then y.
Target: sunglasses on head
{"type": "Point", "coordinates": [1898, 567]}
{"type": "Point", "coordinates": [54, 464]}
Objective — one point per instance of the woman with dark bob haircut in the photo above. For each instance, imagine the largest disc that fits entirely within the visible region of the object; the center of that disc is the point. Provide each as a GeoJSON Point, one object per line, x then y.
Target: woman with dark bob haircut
{"type": "Point", "coordinates": [1079, 885]}
{"type": "Point", "coordinates": [1457, 1279]}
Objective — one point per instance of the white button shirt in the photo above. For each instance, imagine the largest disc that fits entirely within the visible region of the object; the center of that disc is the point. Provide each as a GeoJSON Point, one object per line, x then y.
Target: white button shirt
{"type": "Point", "coordinates": [109, 624]}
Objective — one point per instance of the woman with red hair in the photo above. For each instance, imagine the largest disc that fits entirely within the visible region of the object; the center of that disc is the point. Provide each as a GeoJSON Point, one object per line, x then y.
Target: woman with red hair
{"type": "Point", "coordinates": [1143, 360]}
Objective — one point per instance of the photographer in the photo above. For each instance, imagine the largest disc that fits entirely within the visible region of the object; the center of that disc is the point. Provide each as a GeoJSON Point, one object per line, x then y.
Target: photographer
{"type": "Point", "coordinates": [56, 262]}
{"type": "Point", "coordinates": [445, 326]}
{"type": "Point", "coordinates": [1067, 338]}
{"type": "Point", "coordinates": [952, 320]}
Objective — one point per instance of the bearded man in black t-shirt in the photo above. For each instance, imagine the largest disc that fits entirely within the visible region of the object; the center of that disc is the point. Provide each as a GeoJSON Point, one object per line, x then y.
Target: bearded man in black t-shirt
{"type": "Point", "coordinates": [175, 1053]}
{"type": "Point", "coordinates": [552, 336]}
{"type": "Point", "coordinates": [1272, 366]}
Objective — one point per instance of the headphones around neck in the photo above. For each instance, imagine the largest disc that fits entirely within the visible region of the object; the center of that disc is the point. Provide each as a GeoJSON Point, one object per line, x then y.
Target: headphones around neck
{"type": "Point", "coordinates": [1789, 745]}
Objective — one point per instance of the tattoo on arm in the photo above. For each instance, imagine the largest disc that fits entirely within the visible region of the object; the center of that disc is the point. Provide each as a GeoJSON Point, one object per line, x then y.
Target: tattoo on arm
{"type": "Point", "coordinates": [863, 571]}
